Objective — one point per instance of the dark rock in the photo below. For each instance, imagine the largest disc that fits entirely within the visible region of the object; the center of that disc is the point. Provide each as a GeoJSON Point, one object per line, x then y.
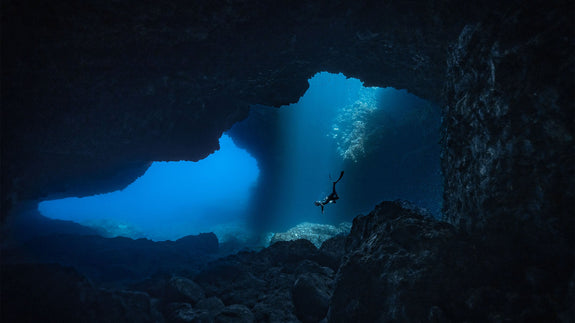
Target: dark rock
{"type": "Point", "coordinates": [262, 281]}
{"type": "Point", "coordinates": [120, 305]}
{"type": "Point", "coordinates": [308, 266]}
{"type": "Point", "coordinates": [311, 294]}
{"type": "Point", "coordinates": [211, 304]}
{"type": "Point", "coordinates": [332, 250]}
{"type": "Point", "coordinates": [290, 253]}
{"type": "Point", "coordinates": [232, 280]}
{"type": "Point", "coordinates": [203, 243]}
{"type": "Point", "coordinates": [400, 266]}
{"type": "Point", "coordinates": [121, 259]}
{"type": "Point", "coordinates": [235, 313]}
{"type": "Point", "coordinates": [86, 105]}
{"type": "Point", "coordinates": [113, 99]}
{"type": "Point", "coordinates": [508, 149]}
{"type": "Point", "coordinates": [52, 293]}
{"type": "Point", "coordinates": [275, 309]}
{"type": "Point", "coordinates": [180, 289]}
{"type": "Point", "coordinates": [184, 313]}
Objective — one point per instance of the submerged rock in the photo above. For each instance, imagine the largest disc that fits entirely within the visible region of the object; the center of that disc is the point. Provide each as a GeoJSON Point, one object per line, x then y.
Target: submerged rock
{"type": "Point", "coordinates": [183, 290]}
{"type": "Point", "coordinates": [397, 264]}
{"type": "Point", "coordinates": [54, 293]}
{"type": "Point", "coordinates": [236, 313]}
{"type": "Point", "coordinates": [311, 294]}
{"type": "Point", "coordinates": [263, 281]}
{"type": "Point", "coordinates": [113, 260]}
{"type": "Point", "coordinates": [399, 267]}
{"type": "Point", "coordinates": [403, 266]}
{"type": "Point", "coordinates": [314, 232]}
{"type": "Point", "coordinates": [184, 313]}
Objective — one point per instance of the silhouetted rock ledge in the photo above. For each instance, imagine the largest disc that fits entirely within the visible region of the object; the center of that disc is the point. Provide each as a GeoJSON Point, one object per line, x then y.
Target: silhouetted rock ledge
{"type": "Point", "coordinates": [398, 264]}
{"type": "Point", "coordinates": [403, 266]}
{"type": "Point", "coordinates": [117, 259]}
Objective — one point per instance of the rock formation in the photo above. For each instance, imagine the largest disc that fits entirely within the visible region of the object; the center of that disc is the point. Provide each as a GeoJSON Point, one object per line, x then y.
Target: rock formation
{"type": "Point", "coordinates": [93, 92]}
{"type": "Point", "coordinates": [314, 232]}
{"type": "Point", "coordinates": [397, 264]}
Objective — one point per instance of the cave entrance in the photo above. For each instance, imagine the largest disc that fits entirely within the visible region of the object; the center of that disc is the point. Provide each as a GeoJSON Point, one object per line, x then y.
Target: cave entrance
{"type": "Point", "coordinates": [171, 200]}
{"type": "Point", "coordinates": [386, 141]}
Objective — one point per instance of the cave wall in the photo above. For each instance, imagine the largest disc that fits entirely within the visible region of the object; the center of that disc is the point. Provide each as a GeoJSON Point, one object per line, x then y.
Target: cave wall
{"type": "Point", "coordinates": [91, 90]}
{"type": "Point", "coordinates": [508, 156]}
{"type": "Point", "coordinates": [97, 90]}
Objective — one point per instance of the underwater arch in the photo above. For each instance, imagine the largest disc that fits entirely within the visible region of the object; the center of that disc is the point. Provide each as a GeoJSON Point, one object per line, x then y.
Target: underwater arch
{"type": "Point", "coordinates": [171, 200]}
{"type": "Point", "coordinates": [386, 140]}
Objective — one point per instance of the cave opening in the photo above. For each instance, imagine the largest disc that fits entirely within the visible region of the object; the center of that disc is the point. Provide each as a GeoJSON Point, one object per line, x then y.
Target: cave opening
{"type": "Point", "coordinates": [386, 141]}
{"type": "Point", "coordinates": [171, 200]}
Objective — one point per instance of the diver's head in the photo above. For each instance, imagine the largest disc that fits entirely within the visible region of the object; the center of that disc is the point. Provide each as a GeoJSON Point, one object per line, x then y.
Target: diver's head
{"type": "Point", "coordinates": [317, 203]}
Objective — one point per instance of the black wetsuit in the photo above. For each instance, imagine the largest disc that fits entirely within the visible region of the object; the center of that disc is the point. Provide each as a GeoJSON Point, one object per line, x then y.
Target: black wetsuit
{"type": "Point", "coordinates": [330, 198]}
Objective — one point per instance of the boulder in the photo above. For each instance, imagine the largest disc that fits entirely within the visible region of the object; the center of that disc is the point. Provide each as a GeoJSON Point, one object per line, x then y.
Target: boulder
{"type": "Point", "coordinates": [332, 250]}
{"type": "Point", "coordinates": [400, 266]}
{"type": "Point", "coordinates": [314, 232]}
{"type": "Point", "coordinates": [54, 293]}
{"type": "Point", "coordinates": [184, 313]}
{"type": "Point", "coordinates": [181, 289]}
{"type": "Point", "coordinates": [211, 304]}
{"type": "Point", "coordinates": [120, 259]}
{"type": "Point", "coordinates": [204, 311]}
{"type": "Point", "coordinates": [235, 313]}
{"type": "Point", "coordinates": [311, 294]}
{"type": "Point", "coordinates": [403, 265]}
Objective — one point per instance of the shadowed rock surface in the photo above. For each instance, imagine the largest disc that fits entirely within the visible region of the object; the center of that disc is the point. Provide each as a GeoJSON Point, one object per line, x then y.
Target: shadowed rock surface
{"type": "Point", "coordinates": [95, 92]}
{"type": "Point", "coordinates": [399, 264]}
{"type": "Point", "coordinates": [117, 259]}
{"type": "Point", "coordinates": [53, 293]}
{"type": "Point", "coordinates": [92, 92]}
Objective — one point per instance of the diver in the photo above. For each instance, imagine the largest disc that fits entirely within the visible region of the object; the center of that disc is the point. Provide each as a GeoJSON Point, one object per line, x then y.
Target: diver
{"type": "Point", "coordinates": [330, 198]}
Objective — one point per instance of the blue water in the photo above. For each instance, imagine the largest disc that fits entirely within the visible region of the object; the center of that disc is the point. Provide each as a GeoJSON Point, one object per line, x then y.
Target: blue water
{"type": "Point", "coordinates": [171, 200]}
{"type": "Point", "coordinates": [386, 141]}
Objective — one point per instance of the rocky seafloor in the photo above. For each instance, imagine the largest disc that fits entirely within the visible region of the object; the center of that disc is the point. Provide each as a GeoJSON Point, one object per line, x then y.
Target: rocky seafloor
{"type": "Point", "coordinates": [396, 265]}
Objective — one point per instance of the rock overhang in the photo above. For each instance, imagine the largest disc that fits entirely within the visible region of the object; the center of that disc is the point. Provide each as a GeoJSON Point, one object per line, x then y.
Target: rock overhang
{"type": "Point", "coordinates": [91, 91]}
{"type": "Point", "coordinates": [92, 94]}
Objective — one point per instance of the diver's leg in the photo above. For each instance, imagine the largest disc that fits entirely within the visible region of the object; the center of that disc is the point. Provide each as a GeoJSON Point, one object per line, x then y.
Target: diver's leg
{"type": "Point", "coordinates": [340, 176]}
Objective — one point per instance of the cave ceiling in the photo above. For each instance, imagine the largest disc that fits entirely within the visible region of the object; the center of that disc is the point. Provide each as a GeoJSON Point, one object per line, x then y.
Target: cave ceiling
{"type": "Point", "coordinates": [93, 91]}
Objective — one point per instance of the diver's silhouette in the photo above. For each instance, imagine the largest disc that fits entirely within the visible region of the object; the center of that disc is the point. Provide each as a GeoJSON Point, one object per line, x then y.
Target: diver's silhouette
{"type": "Point", "coordinates": [330, 198]}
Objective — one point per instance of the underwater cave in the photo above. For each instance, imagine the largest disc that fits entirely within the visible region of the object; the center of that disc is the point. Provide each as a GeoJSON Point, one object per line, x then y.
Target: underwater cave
{"type": "Point", "coordinates": [178, 161]}
{"type": "Point", "coordinates": [386, 141]}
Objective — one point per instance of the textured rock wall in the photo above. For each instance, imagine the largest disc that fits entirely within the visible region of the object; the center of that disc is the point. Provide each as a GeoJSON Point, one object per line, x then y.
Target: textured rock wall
{"type": "Point", "coordinates": [403, 266]}
{"type": "Point", "coordinates": [398, 264]}
{"type": "Point", "coordinates": [508, 156]}
{"type": "Point", "coordinates": [92, 90]}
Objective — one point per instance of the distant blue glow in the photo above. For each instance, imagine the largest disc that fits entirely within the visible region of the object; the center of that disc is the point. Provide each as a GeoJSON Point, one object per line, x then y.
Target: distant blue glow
{"type": "Point", "coordinates": [310, 148]}
{"type": "Point", "coordinates": [386, 141]}
{"type": "Point", "coordinates": [172, 199]}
